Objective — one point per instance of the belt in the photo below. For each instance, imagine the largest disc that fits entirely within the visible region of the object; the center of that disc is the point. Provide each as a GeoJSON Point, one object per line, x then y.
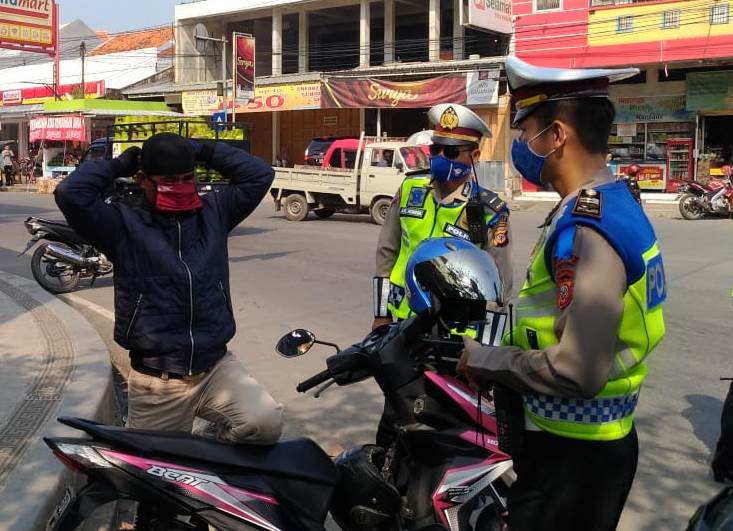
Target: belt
{"type": "Point", "coordinates": [166, 375]}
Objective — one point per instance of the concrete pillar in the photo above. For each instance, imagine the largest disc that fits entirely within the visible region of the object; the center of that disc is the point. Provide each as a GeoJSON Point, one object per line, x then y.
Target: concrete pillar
{"type": "Point", "coordinates": [459, 32]}
{"type": "Point", "coordinates": [389, 46]}
{"type": "Point", "coordinates": [277, 42]}
{"type": "Point", "coordinates": [434, 30]}
{"type": "Point", "coordinates": [275, 136]}
{"type": "Point", "coordinates": [303, 41]}
{"type": "Point", "coordinates": [364, 29]}
{"type": "Point", "coordinates": [362, 120]}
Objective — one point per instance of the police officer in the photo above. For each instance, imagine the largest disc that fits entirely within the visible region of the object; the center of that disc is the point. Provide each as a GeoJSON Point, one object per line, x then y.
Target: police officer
{"type": "Point", "coordinates": [588, 315]}
{"type": "Point", "coordinates": [448, 202]}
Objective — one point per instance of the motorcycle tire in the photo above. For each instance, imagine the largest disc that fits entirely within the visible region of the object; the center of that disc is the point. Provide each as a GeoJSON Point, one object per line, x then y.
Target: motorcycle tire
{"type": "Point", "coordinates": [689, 208]}
{"type": "Point", "coordinates": [55, 284]}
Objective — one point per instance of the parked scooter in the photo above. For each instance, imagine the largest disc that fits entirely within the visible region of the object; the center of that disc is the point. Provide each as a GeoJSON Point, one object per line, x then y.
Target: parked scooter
{"type": "Point", "coordinates": [64, 258]}
{"type": "Point", "coordinates": [697, 200]}
{"type": "Point", "coordinates": [444, 471]}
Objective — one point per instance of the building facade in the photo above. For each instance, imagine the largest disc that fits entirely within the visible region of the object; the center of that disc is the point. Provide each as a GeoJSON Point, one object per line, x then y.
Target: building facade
{"type": "Point", "coordinates": [675, 119]}
{"type": "Point", "coordinates": [340, 68]}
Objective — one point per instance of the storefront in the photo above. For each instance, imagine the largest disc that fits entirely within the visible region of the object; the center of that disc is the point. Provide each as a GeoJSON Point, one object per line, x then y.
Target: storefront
{"type": "Point", "coordinates": [656, 133]}
{"type": "Point", "coordinates": [708, 94]}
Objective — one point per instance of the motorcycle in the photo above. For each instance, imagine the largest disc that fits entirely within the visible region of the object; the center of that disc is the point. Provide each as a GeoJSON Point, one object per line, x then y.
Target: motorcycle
{"type": "Point", "coordinates": [697, 200]}
{"type": "Point", "coordinates": [444, 470]}
{"type": "Point", "coordinates": [65, 258]}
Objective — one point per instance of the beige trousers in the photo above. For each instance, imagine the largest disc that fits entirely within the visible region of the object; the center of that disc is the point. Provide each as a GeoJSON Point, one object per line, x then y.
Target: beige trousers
{"type": "Point", "coordinates": [227, 395]}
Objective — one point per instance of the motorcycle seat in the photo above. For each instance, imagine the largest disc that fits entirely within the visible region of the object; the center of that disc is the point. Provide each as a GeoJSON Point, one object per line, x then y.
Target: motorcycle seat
{"type": "Point", "coordinates": [299, 458]}
{"type": "Point", "coordinates": [62, 229]}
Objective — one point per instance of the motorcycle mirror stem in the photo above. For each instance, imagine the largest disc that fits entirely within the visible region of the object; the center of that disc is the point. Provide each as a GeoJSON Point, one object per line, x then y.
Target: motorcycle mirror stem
{"type": "Point", "coordinates": [334, 345]}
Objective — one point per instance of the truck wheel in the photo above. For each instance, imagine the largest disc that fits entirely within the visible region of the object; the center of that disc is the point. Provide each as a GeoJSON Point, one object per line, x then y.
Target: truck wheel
{"type": "Point", "coordinates": [379, 210]}
{"type": "Point", "coordinates": [296, 207]}
{"type": "Point", "coordinates": [324, 213]}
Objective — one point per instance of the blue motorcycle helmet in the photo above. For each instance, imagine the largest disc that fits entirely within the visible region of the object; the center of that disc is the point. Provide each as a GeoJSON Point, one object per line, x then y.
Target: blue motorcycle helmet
{"type": "Point", "coordinates": [454, 278]}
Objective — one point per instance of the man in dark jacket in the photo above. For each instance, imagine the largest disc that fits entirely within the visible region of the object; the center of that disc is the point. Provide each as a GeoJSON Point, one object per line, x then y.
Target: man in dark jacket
{"type": "Point", "coordinates": [173, 310]}
{"type": "Point", "coordinates": [723, 460]}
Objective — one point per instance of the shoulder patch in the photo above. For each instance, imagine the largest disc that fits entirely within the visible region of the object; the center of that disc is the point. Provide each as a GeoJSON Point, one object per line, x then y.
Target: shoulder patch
{"type": "Point", "coordinates": [501, 232]}
{"type": "Point", "coordinates": [588, 203]}
{"type": "Point", "coordinates": [493, 201]}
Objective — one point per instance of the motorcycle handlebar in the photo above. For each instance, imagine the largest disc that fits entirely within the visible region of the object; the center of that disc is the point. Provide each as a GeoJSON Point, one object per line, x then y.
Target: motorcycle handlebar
{"type": "Point", "coordinates": [313, 381]}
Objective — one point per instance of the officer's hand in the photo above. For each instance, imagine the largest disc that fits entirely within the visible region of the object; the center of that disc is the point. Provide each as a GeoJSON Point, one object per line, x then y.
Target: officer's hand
{"type": "Point", "coordinates": [127, 164]}
{"type": "Point", "coordinates": [462, 367]}
{"type": "Point", "coordinates": [379, 321]}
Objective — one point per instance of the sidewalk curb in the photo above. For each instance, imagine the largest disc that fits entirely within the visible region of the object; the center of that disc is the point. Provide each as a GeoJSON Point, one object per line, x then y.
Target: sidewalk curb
{"type": "Point", "coordinates": [38, 481]}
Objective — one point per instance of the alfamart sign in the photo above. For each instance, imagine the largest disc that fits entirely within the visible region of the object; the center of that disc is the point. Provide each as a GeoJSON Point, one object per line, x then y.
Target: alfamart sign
{"type": "Point", "coordinates": [27, 22]}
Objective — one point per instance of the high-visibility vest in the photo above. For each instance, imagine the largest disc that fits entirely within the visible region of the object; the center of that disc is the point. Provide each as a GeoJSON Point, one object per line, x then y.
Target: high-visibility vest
{"type": "Point", "coordinates": [609, 415]}
{"type": "Point", "coordinates": [421, 218]}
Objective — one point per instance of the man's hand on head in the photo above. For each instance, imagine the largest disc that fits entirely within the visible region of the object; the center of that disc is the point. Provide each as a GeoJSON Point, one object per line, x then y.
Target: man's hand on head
{"type": "Point", "coordinates": [127, 164]}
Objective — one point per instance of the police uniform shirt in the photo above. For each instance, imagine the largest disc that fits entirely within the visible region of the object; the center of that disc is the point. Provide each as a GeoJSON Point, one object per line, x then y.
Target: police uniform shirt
{"type": "Point", "coordinates": [390, 237]}
{"type": "Point", "coordinates": [587, 328]}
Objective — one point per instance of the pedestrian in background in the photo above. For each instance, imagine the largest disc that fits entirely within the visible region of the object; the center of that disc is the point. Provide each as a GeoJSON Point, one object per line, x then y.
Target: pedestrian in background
{"type": "Point", "coordinates": [8, 156]}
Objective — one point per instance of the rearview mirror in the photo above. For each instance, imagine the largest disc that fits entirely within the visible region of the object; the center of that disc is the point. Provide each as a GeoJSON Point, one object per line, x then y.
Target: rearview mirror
{"type": "Point", "coordinates": [295, 343]}
{"type": "Point", "coordinates": [400, 167]}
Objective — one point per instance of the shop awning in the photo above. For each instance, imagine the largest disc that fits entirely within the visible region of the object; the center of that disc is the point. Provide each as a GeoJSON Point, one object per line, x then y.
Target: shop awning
{"type": "Point", "coordinates": [102, 107]}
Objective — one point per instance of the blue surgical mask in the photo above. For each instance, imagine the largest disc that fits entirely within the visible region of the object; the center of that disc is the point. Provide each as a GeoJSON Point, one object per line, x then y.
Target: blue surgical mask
{"type": "Point", "coordinates": [443, 169]}
{"type": "Point", "coordinates": [527, 162]}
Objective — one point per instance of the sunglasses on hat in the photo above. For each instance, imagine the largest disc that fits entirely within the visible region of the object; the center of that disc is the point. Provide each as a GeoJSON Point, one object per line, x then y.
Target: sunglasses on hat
{"type": "Point", "coordinates": [449, 152]}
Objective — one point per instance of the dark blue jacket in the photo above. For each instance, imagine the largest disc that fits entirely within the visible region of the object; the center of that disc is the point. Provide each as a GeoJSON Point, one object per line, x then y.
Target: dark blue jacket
{"type": "Point", "coordinates": [172, 305]}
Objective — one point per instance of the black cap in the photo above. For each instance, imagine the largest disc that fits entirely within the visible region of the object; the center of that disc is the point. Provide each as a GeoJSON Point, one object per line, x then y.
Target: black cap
{"type": "Point", "coordinates": [167, 154]}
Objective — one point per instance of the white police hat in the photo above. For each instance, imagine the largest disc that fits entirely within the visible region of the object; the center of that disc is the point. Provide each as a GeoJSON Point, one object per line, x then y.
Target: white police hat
{"type": "Point", "coordinates": [531, 85]}
{"type": "Point", "coordinates": [454, 125]}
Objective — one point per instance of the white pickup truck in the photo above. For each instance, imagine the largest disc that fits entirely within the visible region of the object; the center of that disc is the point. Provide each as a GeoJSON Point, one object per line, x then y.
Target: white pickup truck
{"type": "Point", "coordinates": [366, 182]}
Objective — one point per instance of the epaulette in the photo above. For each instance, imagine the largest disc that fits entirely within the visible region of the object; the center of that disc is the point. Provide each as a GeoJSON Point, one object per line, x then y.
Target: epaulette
{"type": "Point", "coordinates": [493, 202]}
{"type": "Point", "coordinates": [588, 203]}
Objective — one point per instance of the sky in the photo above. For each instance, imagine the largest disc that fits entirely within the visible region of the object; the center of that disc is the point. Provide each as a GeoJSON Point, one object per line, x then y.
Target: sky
{"type": "Point", "coordinates": [118, 16]}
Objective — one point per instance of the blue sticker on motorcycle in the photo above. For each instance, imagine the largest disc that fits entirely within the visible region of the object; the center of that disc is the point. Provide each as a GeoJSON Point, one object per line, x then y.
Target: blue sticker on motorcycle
{"type": "Point", "coordinates": [656, 283]}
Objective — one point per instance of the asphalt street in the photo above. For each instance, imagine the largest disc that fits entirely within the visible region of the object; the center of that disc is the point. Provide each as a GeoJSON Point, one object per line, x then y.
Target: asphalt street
{"type": "Point", "coordinates": [317, 275]}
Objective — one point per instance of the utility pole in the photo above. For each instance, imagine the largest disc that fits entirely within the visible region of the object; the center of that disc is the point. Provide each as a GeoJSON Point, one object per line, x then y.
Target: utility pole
{"type": "Point", "coordinates": [83, 52]}
{"type": "Point", "coordinates": [223, 41]}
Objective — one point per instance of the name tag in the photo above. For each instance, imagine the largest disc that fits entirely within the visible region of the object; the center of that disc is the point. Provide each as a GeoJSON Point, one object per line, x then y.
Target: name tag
{"type": "Point", "coordinates": [656, 283]}
{"type": "Point", "coordinates": [411, 212]}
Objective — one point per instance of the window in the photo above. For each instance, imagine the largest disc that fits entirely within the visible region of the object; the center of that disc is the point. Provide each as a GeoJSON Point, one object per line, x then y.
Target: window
{"type": "Point", "coordinates": [719, 14]}
{"type": "Point", "coordinates": [625, 24]}
{"type": "Point", "coordinates": [350, 158]}
{"type": "Point", "coordinates": [671, 19]}
{"type": "Point", "coordinates": [547, 5]}
{"type": "Point", "coordinates": [335, 160]}
{"type": "Point", "coordinates": [382, 158]}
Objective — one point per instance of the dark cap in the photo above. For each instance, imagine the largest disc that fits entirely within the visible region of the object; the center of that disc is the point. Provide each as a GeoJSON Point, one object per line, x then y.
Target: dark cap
{"type": "Point", "coordinates": [167, 154]}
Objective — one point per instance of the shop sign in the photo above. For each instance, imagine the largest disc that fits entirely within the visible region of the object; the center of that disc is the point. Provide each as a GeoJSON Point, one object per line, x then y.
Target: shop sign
{"type": "Point", "coordinates": [652, 109]}
{"type": "Point", "coordinates": [58, 128]}
{"type": "Point", "coordinates": [710, 91]}
{"type": "Point", "coordinates": [627, 131]}
{"type": "Point", "coordinates": [12, 97]}
{"type": "Point", "coordinates": [27, 23]}
{"type": "Point", "coordinates": [200, 102]}
{"type": "Point", "coordinates": [492, 15]}
{"type": "Point", "coordinates": [244, 68]}
{"type": "Point", "coordinates": [650, 177]}
{"type": "Point", "coordinates": [482, 87]}
{"type": "Point", "coordinates": [378, 93]}
{"type": "Point", "coordinates": [289, 97]}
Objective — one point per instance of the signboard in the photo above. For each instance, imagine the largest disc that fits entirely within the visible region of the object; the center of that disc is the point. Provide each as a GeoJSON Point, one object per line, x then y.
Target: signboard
{"type": "Point", "coordinates": [710, 91]}
{"type": "Point", "coordinates": [626, 130]}
{"type": "Point", "coordinates": [58, 128]}
{"type": "Point", "coordinates": [379, 93]}
{"type": "Point", "coordinates": [43, 93]}
{"type": "Point", "coordinates": [200, 102]}
{"type": "Point", "coordinates": [244, 67]}
{"type": "Point", "coordinates": [482, 87]}
{"type": "Point", "coordinates": [491, 15]}
{"type": "Point", "coordinates": [650, 177]}
{"type": "Point", "coordinates": [652, 109]}
{"type": "Point", "coordinates": [27, 23]}
{"type": "Point", "coordinates": [289, 97]}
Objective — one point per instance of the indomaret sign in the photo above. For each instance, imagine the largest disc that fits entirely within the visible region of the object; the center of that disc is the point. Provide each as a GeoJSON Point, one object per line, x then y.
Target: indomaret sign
{"type": "Point", "coordinates": [28, 23]}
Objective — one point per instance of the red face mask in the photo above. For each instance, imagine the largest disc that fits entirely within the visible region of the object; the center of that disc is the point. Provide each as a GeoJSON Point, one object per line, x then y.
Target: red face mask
{"type": "Point", "coordinates": [177, 197]}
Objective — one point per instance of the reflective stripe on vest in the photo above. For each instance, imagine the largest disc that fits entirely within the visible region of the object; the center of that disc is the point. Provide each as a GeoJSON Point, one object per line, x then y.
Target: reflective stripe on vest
{"type": "Point", "coordinates": [420, 219]}
{"type": "Point", "coordinates": [609, 415]}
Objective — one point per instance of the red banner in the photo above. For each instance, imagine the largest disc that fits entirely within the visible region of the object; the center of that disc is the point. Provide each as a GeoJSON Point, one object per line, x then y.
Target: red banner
{"type": "Point", "coordinates": [369, 92]}
{"type": "Point", "coordinates": [42, 93]}
{"type": "Point", "coordinates": [244, 68]}
{"type": "Point", "coordinates": [58, 128]}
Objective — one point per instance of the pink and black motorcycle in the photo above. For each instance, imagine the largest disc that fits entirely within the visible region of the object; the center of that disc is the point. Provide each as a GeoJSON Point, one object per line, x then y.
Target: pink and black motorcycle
{"type": "Point", "coordinates": [444, 470]}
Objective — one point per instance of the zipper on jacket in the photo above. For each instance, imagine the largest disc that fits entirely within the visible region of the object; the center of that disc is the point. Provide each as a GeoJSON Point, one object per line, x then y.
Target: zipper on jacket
{"type": "Point", "coordinates": [226, 299]}
{"type": "Point", "coordinates": [190, 298]}
{"type": "Point", "coordinates": [134, 315]}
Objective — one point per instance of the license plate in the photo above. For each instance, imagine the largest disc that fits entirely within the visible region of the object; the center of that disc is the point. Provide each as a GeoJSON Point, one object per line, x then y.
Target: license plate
{"type": "Point", "coordinates": [60, 509]}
